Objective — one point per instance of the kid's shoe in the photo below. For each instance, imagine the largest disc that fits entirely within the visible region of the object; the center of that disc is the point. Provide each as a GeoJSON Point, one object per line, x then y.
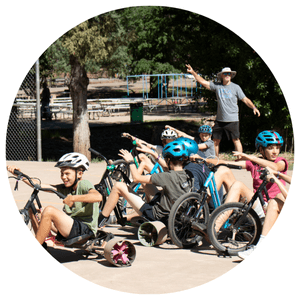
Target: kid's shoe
{"type": "Point", "coordinates": [246, 253]}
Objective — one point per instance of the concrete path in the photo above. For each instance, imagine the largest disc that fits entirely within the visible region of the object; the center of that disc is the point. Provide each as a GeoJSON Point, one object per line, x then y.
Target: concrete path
{"type": "Point", "coordinates": [156, 270]}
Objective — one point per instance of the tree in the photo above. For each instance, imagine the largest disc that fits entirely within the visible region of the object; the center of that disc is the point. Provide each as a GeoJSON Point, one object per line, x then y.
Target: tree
{"type": "Point", "coordinates": [89, 41]}
{"type": "Point", "coordinates": [170, 38]}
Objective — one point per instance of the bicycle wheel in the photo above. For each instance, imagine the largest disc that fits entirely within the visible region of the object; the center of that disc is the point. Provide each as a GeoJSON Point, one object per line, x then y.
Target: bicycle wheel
{"type": "Point", "coordinates": [182, 215]}
{"type": "Point", "coordinates": [120, 165]}
{"type": "Point", "coordinates": [228, 239]}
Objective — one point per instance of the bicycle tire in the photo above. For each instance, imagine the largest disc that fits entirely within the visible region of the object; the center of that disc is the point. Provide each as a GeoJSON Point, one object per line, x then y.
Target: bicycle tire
{"type": "Point", "coordinates": [123, 165]}
{"type": "Point", "coordinates": [181, 217]}
{"type": "Point", "coordinates": [248, 233]}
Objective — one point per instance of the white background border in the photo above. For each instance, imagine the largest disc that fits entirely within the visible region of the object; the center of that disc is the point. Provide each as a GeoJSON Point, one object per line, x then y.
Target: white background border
{"type": "Point", "coordinates": [270, 27]}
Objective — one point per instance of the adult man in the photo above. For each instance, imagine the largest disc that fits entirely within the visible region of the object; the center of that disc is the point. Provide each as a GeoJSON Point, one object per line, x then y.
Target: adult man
{"type": "Point", "coordinates": [228, 93]}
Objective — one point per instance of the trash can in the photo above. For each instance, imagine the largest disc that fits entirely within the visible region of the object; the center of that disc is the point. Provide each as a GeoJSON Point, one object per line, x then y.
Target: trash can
{"type": "Point", "coordinates": [136, 112]}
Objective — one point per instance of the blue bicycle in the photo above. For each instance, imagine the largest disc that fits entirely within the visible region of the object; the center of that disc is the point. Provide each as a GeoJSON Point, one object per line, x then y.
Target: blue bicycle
{"type": "Point", "coordinates": [190, 213]}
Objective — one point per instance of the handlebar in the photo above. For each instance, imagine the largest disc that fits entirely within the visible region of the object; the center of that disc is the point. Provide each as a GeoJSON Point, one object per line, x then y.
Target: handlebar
{"type": "Point", "coordinates": [264, 173]}
{"type": "Point", "coordinates": [212, 166]}
{"type": "Point", "coordinates": [37, 186]}
{"type": "Point", "coordinates": [100, 155]}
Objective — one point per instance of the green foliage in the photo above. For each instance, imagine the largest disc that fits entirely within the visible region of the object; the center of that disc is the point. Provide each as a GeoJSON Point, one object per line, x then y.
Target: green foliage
{"type": "Point", "coordinates": [156, 39]}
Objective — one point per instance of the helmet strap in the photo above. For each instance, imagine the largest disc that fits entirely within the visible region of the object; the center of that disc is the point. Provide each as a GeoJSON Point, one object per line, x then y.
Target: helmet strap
{"type": "Point", "coordinates": [76, 180]}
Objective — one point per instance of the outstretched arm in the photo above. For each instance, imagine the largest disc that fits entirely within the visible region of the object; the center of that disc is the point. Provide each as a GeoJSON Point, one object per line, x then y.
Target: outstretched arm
{"type": "Point", "coordinates": [138, 141]}
{"type": "Point", "coordinates": [180, 133]}
{"type": "Point", "coordinates": [279, 166]}
{"type": "Point", "coordinates": [200, 79]}
{"type": "Point", "coordinates": [11, 169]}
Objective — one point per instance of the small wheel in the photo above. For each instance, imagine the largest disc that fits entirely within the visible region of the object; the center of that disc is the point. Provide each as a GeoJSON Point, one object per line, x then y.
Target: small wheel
{"type": "Point", "coordinates": [183, 213]}
{"type": "Point", "coordinates": [223, 234]}
{"type": "Point", "coordinates": [152, 233]}
{"type": "Point", "coordinates": [119, 252]}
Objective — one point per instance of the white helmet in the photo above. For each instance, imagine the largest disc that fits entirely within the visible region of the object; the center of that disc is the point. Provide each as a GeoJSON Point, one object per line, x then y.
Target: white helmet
{"type": "Point", "coordinates": [169, 134]}
{"type": "Point", "coordinates": [73, 160]}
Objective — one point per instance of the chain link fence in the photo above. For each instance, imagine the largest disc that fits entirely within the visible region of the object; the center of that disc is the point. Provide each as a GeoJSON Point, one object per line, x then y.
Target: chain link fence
{"type": "Point", "coordinates": [21, 135]}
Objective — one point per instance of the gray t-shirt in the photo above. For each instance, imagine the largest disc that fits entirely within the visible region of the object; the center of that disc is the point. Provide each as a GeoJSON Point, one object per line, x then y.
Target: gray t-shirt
{"type": "Point", "coordinates": [227, 97]}
{"type": "Point", "coordinates": [209, 151]}
{"type": "Point", "coordinates": [174, 184]}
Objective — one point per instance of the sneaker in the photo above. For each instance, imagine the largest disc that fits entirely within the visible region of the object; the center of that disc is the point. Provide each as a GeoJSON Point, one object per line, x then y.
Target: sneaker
{"type": "Point", "coordinates": [246, 253]}
{"type": "Point", "coordinates": [111, 220]}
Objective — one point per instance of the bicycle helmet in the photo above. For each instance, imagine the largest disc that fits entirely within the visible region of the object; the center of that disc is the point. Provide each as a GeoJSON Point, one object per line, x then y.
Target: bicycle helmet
{"type": "Point", "coordinates": [169, 134]}
{"type": "Point", "coordinates": [268, 137]}
{"type": "Point", "coordinates": [175, 150]}
{"type": "Point", "coordinates": [190, 144]}
{"type": "Point", "coordinates": [205, 129]}
{"type": "Point", "coordinates": [73, 160]}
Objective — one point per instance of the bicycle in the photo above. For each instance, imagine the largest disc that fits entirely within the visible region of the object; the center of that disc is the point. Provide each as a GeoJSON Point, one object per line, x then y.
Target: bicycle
{"type": "Point", "coordinates": [118, 252]}
{"type": "Point", "coordinates": [115, 170]}
{"type": "Point", "coordinates": [243, 226]}
{"type": "Point", "coordinates": [190, 213]}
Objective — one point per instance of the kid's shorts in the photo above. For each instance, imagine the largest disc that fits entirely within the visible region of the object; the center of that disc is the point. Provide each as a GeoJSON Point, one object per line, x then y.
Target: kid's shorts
{"type": "Point", "coordinates": [78, 228]}
{"type": "Point", "coordinates": [231, 129]}
{"type": "Point", "coordinates": [147, 208]}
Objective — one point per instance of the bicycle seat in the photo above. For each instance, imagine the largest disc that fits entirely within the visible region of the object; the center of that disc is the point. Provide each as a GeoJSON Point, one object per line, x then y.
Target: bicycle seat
{"type": "Point", "coordinates": [77, 241]}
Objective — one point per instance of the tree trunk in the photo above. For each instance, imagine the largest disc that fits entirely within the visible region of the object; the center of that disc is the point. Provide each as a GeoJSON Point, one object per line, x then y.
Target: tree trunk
{"type": "Point", "coordinates": [78, 89]}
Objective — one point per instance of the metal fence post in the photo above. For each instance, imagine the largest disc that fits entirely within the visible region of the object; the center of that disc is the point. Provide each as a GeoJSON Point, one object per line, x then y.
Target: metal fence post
{"type": "Point", "coordinates": [38, 111]}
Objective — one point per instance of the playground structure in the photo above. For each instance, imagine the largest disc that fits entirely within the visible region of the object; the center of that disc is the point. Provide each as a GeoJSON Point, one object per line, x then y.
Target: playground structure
{"type": "Point", "coordinates": [175, 89]}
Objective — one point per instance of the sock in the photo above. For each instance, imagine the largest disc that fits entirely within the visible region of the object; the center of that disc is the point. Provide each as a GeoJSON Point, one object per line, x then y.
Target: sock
{"type": "Point", "coordinates": [261, 238]}
{"type": "Point", "coordinates": [102, 220]}
{"type": "Point", "coordinates": [259, 210]}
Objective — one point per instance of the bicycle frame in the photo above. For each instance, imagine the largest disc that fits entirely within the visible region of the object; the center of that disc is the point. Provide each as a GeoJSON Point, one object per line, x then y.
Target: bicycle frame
{"type": "Point", "coordinates": [33, 197]}
{"type": "Point", "coordinates": [257, 194]}
{"type": "Point", "coordinates": [210, 183]}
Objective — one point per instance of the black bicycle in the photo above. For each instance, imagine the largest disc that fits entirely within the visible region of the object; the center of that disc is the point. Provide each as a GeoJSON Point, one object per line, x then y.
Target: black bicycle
{"type": "Point", "coordinates": [116, 171]}
{"type": "Point", "coordinates": [117, 251]}
{"type": "Point", "coordinates": [232, 227]}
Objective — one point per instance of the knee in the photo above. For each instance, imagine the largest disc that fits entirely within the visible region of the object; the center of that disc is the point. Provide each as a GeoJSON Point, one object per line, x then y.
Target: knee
{"type": "Point", "coordinates": [216, 142]}
{"type": "Point", "coordinates": [237, 186]}
{"type": "Point", "coordinates": [142, 156]}
{"type": "Point", "coordinates": [273, 207]}
{"type": "Point", "coordinates": [119, 187]}
{"type": "Point", "coordinates": [48, 211]}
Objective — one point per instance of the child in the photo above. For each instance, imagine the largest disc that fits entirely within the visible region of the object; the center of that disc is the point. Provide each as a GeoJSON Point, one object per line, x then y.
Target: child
{"type": "Point", "coordinates": [81, 209]}
{"type": "Point", "coordinates": [268, 143]}
{"type": "Point", "coordinates": [174, 183]}
{"type": "Point", "coordinates": [274, 208]}
{"type": "Point", "coordinates": [149, 160]}
{"type": "Point", "coordinates": [205, 144]}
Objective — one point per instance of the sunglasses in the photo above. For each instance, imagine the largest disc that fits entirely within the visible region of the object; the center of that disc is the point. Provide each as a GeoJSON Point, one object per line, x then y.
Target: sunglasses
{"type": "Point", "coordinates": [227, 73]}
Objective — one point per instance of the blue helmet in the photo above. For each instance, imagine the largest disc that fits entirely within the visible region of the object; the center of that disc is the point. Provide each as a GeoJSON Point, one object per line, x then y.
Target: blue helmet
{"type": "Point", "coordinates": [268, 137]}
{"type": "Point", "coordinates": [175, 150]}
{"type": "Point", "coordinates": [205, 129]}
{"type": "Point", "coordinates": [190, 144]}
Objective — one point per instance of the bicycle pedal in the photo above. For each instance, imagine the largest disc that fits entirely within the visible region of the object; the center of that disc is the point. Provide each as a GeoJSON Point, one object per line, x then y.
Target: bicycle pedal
{"type": "Point", "coordinates": [199, 227]}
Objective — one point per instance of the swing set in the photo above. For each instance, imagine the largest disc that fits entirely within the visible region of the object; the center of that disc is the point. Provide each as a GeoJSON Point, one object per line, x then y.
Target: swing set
{"type": "Point", "coordinates": [180, 89]}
